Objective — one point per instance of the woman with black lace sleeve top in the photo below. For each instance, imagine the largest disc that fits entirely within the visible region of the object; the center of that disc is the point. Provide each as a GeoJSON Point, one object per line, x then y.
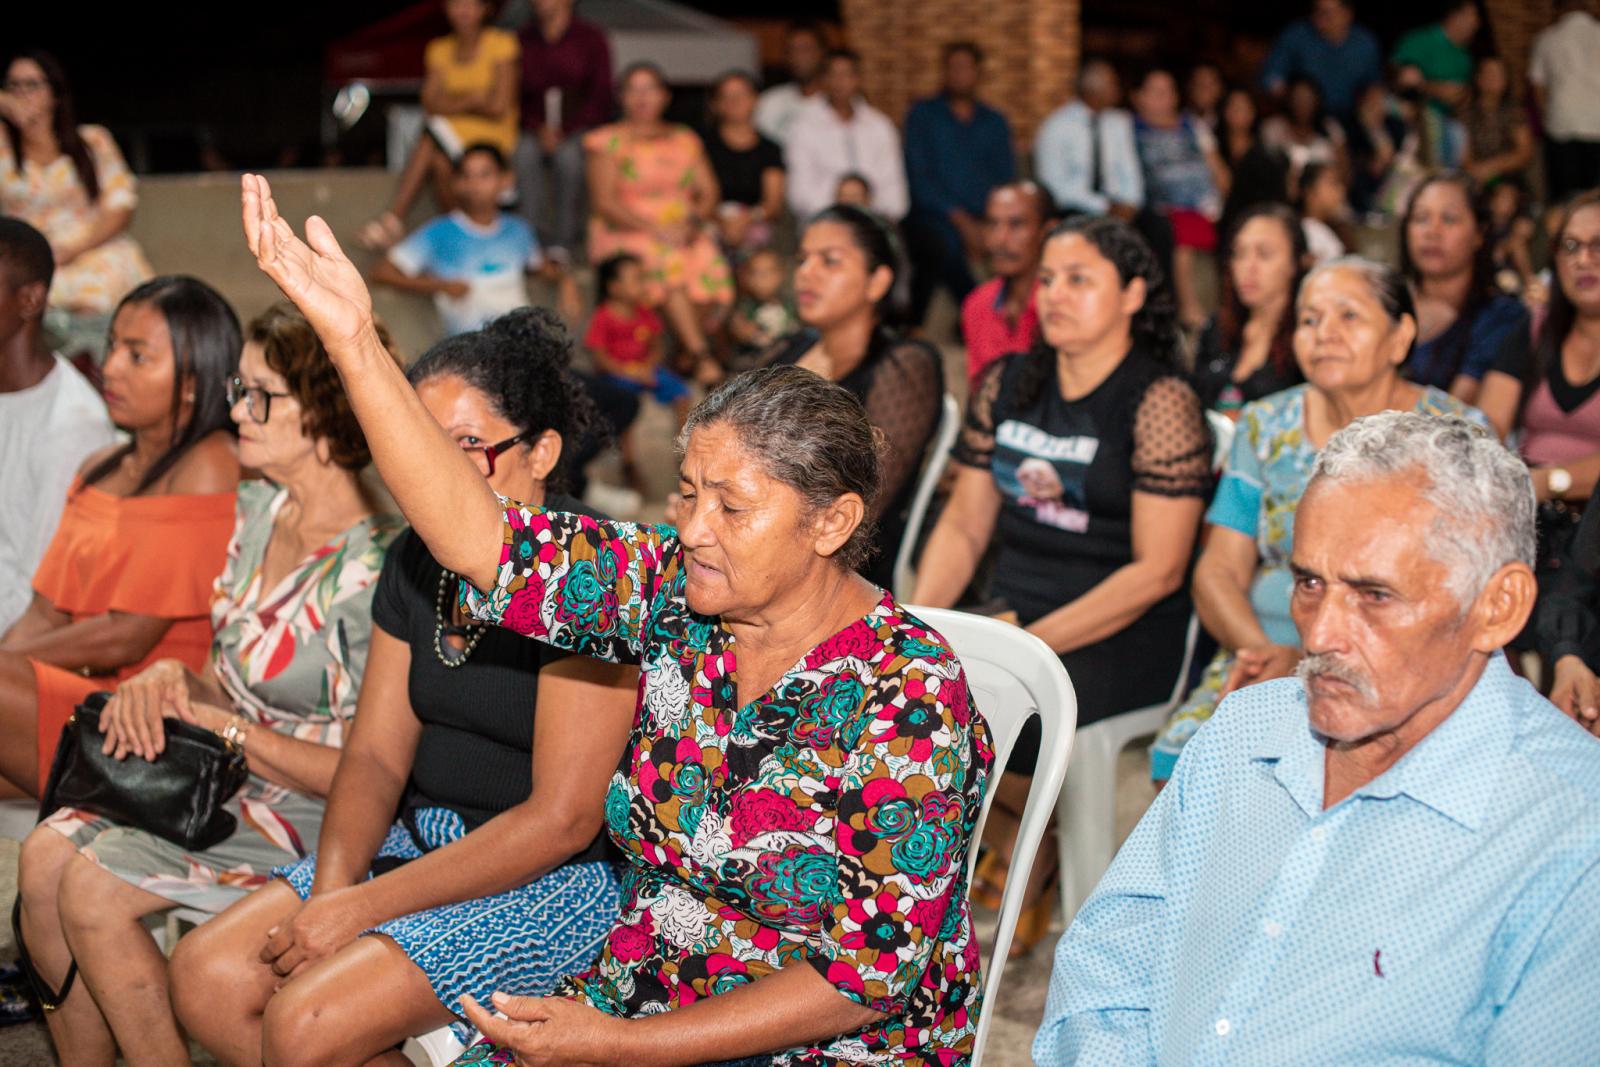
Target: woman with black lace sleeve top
{"type": "Point", "coordinates": [1088, 458]}
{"type": "Point", "coordinates": [849, 261]}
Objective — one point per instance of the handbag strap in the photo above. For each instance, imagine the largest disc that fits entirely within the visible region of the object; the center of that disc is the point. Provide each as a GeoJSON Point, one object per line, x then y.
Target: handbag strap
{"type": "Point", "coordinates": [49, 999]}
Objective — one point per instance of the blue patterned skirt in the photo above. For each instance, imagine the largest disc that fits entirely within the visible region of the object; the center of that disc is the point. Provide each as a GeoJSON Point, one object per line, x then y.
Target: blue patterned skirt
{"type": "Point", "coordinates": [520, 941]}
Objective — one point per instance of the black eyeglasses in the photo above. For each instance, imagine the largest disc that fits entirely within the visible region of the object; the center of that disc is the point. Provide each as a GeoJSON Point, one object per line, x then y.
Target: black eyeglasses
{"type": "Point", "coordinates": [24, 86]}
{"type": "Point", "coordinates": [1571, 246]}
{"type": "Point", "coordinates": [257, 401]}
{"type": "Point", "coordinates": [483, 455]}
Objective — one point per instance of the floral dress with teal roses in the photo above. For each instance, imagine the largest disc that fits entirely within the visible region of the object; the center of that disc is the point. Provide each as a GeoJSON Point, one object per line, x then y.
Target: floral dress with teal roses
{"type": "Point", "coordinates": [1268, 468]}
{"type": "Point", "coordinates": [825, 823]}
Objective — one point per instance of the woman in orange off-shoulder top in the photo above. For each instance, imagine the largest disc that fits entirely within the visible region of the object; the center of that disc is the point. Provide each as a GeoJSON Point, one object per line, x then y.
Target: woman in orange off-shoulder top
{"type": "Point", "coordinates": [128, 577]}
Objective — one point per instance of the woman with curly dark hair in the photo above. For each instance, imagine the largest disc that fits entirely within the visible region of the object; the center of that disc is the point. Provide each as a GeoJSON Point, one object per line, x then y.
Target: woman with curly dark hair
{"type": "Point", "coordinates": [1464, 323]}
{"type": "Point", "coordinates": [1247, 349]}
{"type": "Point", "coordinates": [1088, 459]}
{"type": "Point", "coordinates": [496, 752]}
{"type": "Point", "coordinates": [291, 614]}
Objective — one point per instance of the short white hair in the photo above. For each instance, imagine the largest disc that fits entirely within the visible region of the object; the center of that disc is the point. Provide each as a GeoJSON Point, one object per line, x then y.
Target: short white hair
{"type": "Point", "coordinates": [1480, 489]}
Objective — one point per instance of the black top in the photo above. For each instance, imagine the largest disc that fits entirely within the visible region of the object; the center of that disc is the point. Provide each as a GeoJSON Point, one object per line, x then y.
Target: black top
{"type": "Point", "coordinates": [1566, 621]}
{"type": "Point", "coordinates": [739, 172]}
{"type": "Point", "coordinates": [1066, 471]}
{"type": "Point", "coordinates": [901, 384]}
{"type": "Point", "coordinates": [475, 753]}
{"type": "Point", "coordinates": [1213, 374]}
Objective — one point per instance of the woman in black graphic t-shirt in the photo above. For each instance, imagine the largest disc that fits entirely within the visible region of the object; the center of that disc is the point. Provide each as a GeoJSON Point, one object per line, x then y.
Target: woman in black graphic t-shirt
{"type": "Point", "coordinates": [1088, 458]}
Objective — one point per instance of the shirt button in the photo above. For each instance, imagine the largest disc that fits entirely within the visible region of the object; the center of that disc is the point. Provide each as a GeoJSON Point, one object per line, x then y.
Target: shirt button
{"type": "Point", "coordinates": [1224, 1028]}
{"type": "Point", "coordinates": [1272, 928]}
{"type": "Point", "coordinates": [1318, 833]}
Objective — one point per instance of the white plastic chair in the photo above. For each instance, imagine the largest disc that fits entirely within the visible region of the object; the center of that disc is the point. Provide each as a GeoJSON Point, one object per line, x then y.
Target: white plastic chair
{"type": "Point", "coordinates": [1012, 675]}
{"type": "Point", "coordinates": [1087, 810]}
{"type": "Point", "coordinates": [436, 1048]}
{"type": "Point", "coordinates": [905, 571]}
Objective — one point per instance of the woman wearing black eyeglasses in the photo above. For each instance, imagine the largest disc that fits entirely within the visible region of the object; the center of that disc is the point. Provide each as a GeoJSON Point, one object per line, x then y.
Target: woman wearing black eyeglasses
{"type": "Point", "coordinates": [496, 752]}
{"type": "Point", "coordinates": [1555, 396]}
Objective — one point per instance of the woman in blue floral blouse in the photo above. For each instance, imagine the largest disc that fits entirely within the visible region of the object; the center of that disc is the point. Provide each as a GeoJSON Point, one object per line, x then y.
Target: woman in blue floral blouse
{"type": "Point", "coordinates": [805, 767]}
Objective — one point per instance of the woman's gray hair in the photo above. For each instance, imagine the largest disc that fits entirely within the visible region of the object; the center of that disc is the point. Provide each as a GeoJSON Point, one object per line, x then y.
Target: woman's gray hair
{"type": "Point", "coordinates": [808, 433]}
{"type": "Point", "coordinates": [1387, 284]}
{"type": "Point", "coordinates": [1480, 489]}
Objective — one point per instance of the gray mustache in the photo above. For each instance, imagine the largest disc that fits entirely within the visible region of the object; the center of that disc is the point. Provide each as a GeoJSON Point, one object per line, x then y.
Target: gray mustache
{"type": "Point", "coordinates": [1325, 665]}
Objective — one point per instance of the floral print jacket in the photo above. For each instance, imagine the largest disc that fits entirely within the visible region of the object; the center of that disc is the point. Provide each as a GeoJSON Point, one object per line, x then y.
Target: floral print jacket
{"type": "Point", "coordinates": [825, 823]}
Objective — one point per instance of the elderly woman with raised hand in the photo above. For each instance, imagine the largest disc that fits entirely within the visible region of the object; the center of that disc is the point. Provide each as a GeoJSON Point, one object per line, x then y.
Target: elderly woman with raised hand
{"type": "Point", "coordinates": [796, 802]}
{"type": "Point", "coordinates": [1354, 327]}
{"type": "Point", "coordinates": [1088, 459]}
{"type": "Point", "coordinates": [509, 853]}
{"type": "Point", "coordinates": [290, 615]}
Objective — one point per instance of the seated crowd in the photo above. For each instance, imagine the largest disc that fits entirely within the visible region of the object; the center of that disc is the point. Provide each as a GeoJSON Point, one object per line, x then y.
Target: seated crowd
{"type": "Point", "coordinates": [706, 791]}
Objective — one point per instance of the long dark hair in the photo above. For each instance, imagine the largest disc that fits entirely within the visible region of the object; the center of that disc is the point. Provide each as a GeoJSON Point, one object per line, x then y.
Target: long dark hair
{"type": "Point", "coordinates": [521, 363]}
{"type": "Point", "coordinates": [1154, 327]}
{"type": "Point", "coordinates": [1561, 315]}
{"type": "Point", "coordinates": [1480, 290]}
{"type": "Point", "coordinates": [1231, 312]}
{"type": "Point", "coordinates": [205, 355]}
{"type": "Point", "coordinates": [64, 123]}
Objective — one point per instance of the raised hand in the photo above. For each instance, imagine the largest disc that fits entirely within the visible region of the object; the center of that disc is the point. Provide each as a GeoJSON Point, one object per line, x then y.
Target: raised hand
{"type": "Point", "coordinates": [315, 273]}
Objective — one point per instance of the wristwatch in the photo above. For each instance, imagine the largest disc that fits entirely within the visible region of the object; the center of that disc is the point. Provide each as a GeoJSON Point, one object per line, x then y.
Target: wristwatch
{"type": "Point", "coordinates": [1559, 480]}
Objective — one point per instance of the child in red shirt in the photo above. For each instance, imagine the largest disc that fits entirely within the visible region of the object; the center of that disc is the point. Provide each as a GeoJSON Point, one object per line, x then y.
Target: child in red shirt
{"type": "Point", "coordinates": [624, 338]}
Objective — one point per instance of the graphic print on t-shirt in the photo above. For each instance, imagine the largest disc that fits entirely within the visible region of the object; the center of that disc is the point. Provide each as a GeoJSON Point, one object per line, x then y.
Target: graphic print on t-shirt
{"type": "Point", "coordinates": [1045, 473]}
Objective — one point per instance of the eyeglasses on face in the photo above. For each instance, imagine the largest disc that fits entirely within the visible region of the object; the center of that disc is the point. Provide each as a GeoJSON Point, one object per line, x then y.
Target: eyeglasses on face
{"type": "Point", "coordinates": [1571, 247]}
{"type": "Point", "coordinates": [483, 456]}
{"type": "Point", "coordinates": [24, 86]}
{"type": "Point", "coordinates": [257, 401]}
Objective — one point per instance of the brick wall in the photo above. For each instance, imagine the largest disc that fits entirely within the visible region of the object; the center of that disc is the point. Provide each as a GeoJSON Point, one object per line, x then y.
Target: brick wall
{"type": "Point", "coordinates": [1031, 51]}
{"type": "Point", "coordinates": [1514, 24]}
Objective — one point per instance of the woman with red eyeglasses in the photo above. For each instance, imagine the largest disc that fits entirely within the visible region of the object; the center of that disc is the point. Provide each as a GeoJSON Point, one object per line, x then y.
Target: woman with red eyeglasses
{"type": "Point", "coordinates": [494, 750]}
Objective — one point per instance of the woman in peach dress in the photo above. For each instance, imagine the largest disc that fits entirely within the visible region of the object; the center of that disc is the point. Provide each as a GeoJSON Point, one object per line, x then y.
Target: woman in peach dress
{"type": "Point", "coordinates": [652, 193]}
{"type": "Point", "coordinates": [71, 184]}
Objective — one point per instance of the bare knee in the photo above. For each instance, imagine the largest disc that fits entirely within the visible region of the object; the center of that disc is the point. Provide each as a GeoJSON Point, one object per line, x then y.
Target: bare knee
{"type": "Point", "coordinates": [44, 856]}
{"type": "Point", "coordinates": [90, 898]}
{"type": "Point", "coordinates": [212, 982]}
{"type": "Point", "coordinates": [293, 1032]}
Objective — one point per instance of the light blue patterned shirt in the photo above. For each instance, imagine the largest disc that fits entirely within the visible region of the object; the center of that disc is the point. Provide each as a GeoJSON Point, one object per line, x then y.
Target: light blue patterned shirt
{"type": "Point", "coordinates": [1448, 912]}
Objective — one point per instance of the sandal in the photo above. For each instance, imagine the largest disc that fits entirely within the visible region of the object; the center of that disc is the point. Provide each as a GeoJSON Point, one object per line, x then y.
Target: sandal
{"type": "Point", "coordinates": [382, 233]}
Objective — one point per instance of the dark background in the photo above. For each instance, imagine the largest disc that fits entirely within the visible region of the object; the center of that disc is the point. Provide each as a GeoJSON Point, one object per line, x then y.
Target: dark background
{"type": "Point", "coordinates": [234, 85]}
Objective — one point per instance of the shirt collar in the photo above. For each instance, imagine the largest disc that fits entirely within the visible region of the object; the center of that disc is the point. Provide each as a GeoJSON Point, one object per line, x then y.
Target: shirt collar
{"type": "Point", "coordinates": [1451, 770]}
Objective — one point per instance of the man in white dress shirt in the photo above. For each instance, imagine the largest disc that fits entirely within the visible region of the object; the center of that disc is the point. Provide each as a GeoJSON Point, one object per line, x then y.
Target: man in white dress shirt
{"type": "Point", "coordinates": [50, 417]}
{"type": "Point", "coordinates": [839, 133]}
{"type": "Point", "coordinates": [805, 49]}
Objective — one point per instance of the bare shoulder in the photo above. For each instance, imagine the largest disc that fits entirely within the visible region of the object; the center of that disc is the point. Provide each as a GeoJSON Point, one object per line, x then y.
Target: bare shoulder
{"type": "Point", "coordinates": [211, 465]}
{"type": "Point", "coordinates": [98, 456]}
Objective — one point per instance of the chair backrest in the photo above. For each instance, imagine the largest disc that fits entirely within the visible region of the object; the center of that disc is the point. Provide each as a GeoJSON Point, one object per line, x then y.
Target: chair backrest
{"type": "Point", "coordinates": [1222, 431]}
{"type": "Point", "coordinates": [905, 573]}
{"type": "Point", "coordinates": [1012, 675]}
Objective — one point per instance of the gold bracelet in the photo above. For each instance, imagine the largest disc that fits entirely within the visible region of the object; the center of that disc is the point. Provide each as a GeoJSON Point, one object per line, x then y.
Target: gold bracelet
{"type": "Point", "coordinates": [237, 733]}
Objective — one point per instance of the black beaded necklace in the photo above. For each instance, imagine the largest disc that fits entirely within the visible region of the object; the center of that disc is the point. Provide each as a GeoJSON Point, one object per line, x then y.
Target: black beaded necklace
{"type": "Point", "coordinates": [472, 633]}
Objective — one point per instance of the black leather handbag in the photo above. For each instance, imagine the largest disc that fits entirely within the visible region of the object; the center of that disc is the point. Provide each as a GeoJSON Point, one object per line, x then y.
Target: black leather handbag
{"type": "Point", "coordinates": [179, 796]}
